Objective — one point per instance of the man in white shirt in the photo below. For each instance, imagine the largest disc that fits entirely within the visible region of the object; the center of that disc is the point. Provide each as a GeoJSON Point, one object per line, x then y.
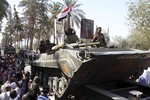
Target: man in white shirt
{"type": "Point", "coordinates": [8, 95]}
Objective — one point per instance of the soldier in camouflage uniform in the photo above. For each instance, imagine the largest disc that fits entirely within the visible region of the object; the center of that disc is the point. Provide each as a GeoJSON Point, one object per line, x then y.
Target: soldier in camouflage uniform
{"type": "Point", "coordinates": [99, 37]}
{"type": "Point", "coordinates": [71, 36]}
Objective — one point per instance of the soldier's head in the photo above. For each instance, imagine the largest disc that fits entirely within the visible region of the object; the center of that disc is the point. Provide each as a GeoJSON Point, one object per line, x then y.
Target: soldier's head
{"type": "Point", "coordinates": [98, 30]}
{"type": "Point", "coordinates": [70, 31]}
{"type": "Point", "coordinates": [47, 41]}
{"type": "Point", "coordinates": [42, 41]}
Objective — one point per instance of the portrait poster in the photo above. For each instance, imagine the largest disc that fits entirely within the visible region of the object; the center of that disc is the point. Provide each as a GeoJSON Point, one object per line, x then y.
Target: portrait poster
{"type": "Point", "coordinates": [87, 28]}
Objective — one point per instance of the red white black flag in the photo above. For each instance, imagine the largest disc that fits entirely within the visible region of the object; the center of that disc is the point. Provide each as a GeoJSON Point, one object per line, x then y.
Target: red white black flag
{"type": "Point", "coordinates": [63, 14]}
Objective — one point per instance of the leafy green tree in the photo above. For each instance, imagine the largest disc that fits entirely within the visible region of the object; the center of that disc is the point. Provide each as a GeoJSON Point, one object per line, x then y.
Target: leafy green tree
{"type": "Point", "coordinates": [42, 28]}
{"type": "Point", "coordinates": [12, 29]}
{"type": "Point", "coordinates": [30, 11]}
{"type": "Point", "coordinates": [4, 10]}
{"type": "Point", "coordinates": [36, 19]}
{"type": "Point", "coordinates": [18, 27]}
{"type": "Point", "coordinates": [120, 42]}
{"type": "Point", "coordinates": [55, 8]}
{"type": "Point", "coordinates": [139, 21]}
{"type": "Point", "coordinates": [8, 31]}
{"type": "Point", "coordinates": [138, 40]}
{"type": "Point", "coordinates": [139, 15]}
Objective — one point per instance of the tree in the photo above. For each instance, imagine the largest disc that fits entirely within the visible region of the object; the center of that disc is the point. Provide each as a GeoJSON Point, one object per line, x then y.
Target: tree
{"type": "Point", "coordinates": [30, 14]}
{"type": "Point", "coordinates": [55, 9]}
{"type": "Point", "coordinates": [139, 20]}
{"type": "Point", "coordinates": [8, 31]}
{"type": "Point", "coordinates": [139, 15]}
{"type": "Point", "coordinates": [138, 40]}
{"type": "Point", "coordinates": [4, 9]}
{"type": "Point", "coordinates": [42, 25]}
{"type": "Point", "coordinates": [76, 14]}
{"type": "Point", "coordinates": [18, 28]}
{"type": "Point", "coordinates": [120, 42]}
{"type": "Point", "coordinates": [36, 18]}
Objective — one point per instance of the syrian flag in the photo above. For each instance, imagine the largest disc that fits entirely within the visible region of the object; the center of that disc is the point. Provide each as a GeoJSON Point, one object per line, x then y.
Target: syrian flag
{"type": "Point", "coordinates": [63, 14]}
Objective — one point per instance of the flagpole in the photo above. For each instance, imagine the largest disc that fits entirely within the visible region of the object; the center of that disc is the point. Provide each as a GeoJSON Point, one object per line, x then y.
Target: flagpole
{"type": "Point", "coordinates": [63, 32]}
{"type": "Point", "coordinates": [55, 30]}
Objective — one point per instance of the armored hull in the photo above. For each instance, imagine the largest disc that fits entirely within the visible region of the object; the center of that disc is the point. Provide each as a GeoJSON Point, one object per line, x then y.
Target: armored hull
{"type": "Point", "coordinates": [67, 68]}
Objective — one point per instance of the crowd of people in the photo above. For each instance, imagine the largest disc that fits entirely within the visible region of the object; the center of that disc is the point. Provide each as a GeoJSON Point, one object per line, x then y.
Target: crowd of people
{"type": "Point", "coordinates": [28, 55]}
{"type": "Point", "coordinates": [16, 83]}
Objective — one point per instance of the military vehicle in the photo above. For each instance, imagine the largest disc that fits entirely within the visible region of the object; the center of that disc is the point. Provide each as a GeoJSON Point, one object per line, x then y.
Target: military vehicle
{"type": "Point", "coordinates": [75, 65]}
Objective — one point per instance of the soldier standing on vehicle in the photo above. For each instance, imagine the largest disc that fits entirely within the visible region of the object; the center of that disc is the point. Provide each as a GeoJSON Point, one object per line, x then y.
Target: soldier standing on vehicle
{"type": "Point", "coordinates": [99, 37]}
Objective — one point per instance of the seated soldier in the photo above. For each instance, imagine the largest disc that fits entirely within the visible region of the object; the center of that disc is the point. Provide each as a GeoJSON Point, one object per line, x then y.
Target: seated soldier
{"type": "Point", "coordinates": [99, 37]}
{"type": "Point", "coordinates": [42, 47]}
{"type": "Point", "coordinates": [49, 46]}
{"type": "Point", "coordinates": [71, 36]}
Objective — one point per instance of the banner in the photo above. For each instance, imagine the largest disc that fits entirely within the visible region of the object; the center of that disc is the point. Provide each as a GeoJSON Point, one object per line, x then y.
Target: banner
{"type": "Point", "coordinates": [87, 28]}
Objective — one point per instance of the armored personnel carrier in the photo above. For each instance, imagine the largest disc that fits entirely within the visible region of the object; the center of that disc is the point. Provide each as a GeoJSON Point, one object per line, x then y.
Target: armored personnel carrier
{"type": "Point", "coordinates": [67, 68]}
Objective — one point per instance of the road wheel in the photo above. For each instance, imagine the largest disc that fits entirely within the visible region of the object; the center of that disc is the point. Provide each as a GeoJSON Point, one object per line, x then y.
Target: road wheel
{"type": "Point", "coordinates": [55, 84]}
{"type": "Point", "coordinates": [50, 80]}
{"type": "Point", "coordinates": [62, 84]}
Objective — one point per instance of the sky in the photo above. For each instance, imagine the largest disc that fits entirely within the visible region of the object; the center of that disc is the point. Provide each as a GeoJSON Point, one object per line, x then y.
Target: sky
{"type": "Point", "coordinates": [108, 14]}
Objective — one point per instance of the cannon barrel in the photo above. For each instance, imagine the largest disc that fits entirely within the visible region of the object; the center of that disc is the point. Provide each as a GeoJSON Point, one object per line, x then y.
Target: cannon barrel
{"type": "Point", "coordinates": [77, 45]}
